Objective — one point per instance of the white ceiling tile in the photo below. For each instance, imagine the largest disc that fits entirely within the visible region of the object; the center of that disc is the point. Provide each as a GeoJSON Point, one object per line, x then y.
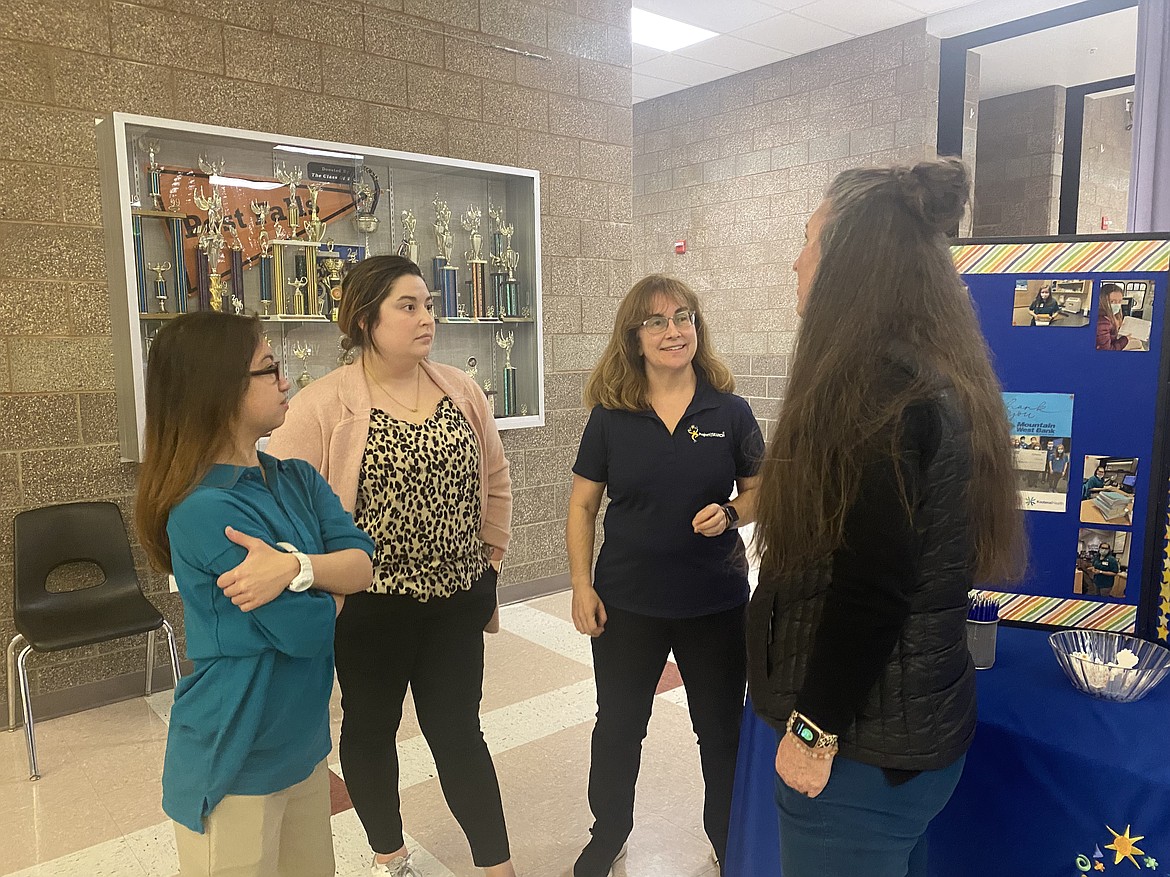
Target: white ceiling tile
{"type": "Point", "coordinates": [859, 18]}
{"type": "Point", "coordinates": [733, 52]}
{"type": "Point", "coordinates": [933, 7]}
{"type": "Point", "coordinates": [793, 34]}
{"type": "Point", "coordinates": [719, 17]}
{"type": "Point", "coordinates": [786, 5]}
{"type": "Point", "coordinates": [676, 68]}
{"type": "Point", "coordinates": [647, 87]}
{"type": "Point", "coordinates": [645, 53]}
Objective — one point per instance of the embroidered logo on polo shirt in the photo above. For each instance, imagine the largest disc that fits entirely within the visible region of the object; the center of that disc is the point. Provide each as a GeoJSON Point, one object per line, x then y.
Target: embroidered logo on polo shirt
{"type": "Point", "coordinates": [693, 432]}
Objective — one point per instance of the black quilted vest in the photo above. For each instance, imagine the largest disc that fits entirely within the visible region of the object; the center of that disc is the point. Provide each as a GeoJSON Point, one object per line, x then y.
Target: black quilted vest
{"type": "Point", "coordinates": [920, 715]}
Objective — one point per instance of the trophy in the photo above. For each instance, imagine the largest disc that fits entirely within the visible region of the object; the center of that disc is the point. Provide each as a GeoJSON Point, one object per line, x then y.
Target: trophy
{"type": "Point", "coordinates": [496, 258]}
{"type": "Point", "coordinates": [160, 284]}
{"type": "Point", "coordinates": [506, 342]}
{"type": "Point", "coordinates": [154, 176]}
{"type": "Point", "coordinates": [261, 211]}
{"type": "Point", "coordinates": [472, 367]}
{"type": "Point", "coordinates": [409, 247]}
{"type": "Point", "coordinates": [446, 274]}
{"type": "Point", "coordinates": [237, 305]}
{"type": "Point", "coordinates": [303, 352]}
{"type": "Point", "coordinates": [211, 240]}
{"type": "Point", "coordinates": [290, 179]}
{"type": "Point", "coordinates": [298, 284]}
{"type": "Point", "coordinates": [236, 264]}
{"type": "Point", "coordinates": [509, 260]}
{"type": "Point", "coordinates": [365, 202]}
{"type": "Point", "coordinates": [476, 265]}
{"type": "Point", "coordinates": [314, 227]}
{"type": "Point", "coordinates": [333, 263]}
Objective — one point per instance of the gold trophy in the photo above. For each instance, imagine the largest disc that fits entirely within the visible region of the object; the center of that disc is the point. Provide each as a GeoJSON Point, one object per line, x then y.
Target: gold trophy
{"type": "Point", "coordinates": [303, 352]}
{"type": "Point", "coordinates": [154, 176]}
{"type": "Point", "coordinates": [408, 249]}
{"type": "Point", "coordinates": [160, 284]}
{"type": "Point", "coordinates": [290, 178]}
{"type": "Point", "coordinates": [298, 284]}
{"type": "Point", "coordinates": [476, 265]}
{"type": "Point", "coordinates": [506, 342]}
{"type": "Point", "coordinates": [446, 274]}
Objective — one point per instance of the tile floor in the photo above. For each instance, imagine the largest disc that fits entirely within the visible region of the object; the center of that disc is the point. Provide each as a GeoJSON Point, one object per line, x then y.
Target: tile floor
{"type": "Point", "coordinates": [96, 810]}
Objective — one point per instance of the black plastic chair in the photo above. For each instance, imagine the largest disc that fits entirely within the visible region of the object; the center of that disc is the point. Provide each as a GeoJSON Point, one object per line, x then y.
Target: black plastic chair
{"type": "Point", "coordinates": [49, 621]}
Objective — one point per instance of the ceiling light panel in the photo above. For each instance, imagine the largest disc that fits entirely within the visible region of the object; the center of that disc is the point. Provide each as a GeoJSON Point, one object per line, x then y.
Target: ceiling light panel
{"type": "Point", "coordinates": [665, 34]}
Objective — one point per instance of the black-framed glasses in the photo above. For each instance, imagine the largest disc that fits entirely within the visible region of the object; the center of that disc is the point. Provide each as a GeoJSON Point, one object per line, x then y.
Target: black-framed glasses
{"type": "Point", "coordinates": [273, 370]}
{"type": "Point", "coordinates": [657, 324]}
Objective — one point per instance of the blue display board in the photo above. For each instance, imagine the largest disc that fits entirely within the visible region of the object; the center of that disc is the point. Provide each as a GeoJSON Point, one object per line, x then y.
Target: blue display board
{"type": "Point", "coordinates": [1084, 396]}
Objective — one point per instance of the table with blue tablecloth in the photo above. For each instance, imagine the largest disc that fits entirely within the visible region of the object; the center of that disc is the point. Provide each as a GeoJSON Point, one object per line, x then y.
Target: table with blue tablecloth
{"type": "Point", "coordinates": [1057, 783]}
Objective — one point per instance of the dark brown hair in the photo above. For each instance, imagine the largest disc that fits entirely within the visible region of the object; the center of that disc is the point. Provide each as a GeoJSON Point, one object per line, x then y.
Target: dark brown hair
{"type": "Point", "coordinates": [885, 285]}
{"type": "Point", "coordinates": [618, 380]}
{"type": "Point", "coordinates": [363, 290]}
{"type": "Point", "coordinates": [196, 377]}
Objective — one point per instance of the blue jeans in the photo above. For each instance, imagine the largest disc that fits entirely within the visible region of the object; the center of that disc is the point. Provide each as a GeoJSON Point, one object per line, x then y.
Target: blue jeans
{"type": "Point", "coordinates": [860, 824]}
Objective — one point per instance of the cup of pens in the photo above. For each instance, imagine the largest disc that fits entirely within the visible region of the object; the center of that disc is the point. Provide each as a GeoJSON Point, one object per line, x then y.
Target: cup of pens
{"type": "Point", "coordinates": [982, 623]}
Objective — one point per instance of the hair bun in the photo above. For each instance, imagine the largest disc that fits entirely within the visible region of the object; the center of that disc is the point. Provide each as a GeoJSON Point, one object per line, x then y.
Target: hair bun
{"type": "Point", "coordinates": [936, 191]}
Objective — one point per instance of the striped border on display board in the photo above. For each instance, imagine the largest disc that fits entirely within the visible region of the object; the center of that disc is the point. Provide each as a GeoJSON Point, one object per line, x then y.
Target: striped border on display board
{"type": "Point", "coordinates": [1062, 257]}
{"type": "Point", "coordinates": [1063, 612]}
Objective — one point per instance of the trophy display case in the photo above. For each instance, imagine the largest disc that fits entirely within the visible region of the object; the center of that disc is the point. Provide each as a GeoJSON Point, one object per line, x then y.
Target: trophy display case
{"type": "Point", "coordinates": [199, 217]}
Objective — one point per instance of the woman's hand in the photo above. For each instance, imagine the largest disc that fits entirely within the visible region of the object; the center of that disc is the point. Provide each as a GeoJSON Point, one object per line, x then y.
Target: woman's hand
{"type": "Point", "coordinates": [339, 599]}
{"type": "Point", "coordinates": [710, 521]}
{"type": "Point", "coordinates": [262, 575]}
{"type": "Point", "coordinates": [800, 771]}
{"type": "Point", "coordinates": [588, 611]}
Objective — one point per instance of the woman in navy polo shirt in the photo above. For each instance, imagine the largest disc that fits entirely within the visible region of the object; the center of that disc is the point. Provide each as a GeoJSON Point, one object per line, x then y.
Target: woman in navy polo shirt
{"type": "Point", "coordinates": [669, 441]}
{"type": "Point", "coordinates": [261, 550]}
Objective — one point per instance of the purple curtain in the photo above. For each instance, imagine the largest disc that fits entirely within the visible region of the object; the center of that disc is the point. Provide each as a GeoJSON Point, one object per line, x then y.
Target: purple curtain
{"type": "Point", "coordinates": [1149, 181]}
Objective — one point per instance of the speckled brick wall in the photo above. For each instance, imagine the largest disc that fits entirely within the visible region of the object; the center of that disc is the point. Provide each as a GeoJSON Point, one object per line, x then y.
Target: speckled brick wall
{"type": "Point", "coordinates": [736, 167]}
{"type": "Point", "coordinates": [419, 75]}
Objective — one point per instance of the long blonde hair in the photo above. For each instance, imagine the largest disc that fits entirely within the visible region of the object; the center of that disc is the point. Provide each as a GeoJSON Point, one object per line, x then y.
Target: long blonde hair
{"type": "Point", "coordinates": [885, 284]}
{"type": "Point", "coordinates": [618, 380]}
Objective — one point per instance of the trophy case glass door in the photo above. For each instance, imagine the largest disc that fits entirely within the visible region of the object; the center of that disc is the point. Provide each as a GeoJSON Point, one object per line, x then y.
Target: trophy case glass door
{"type": "Point", "coordinates": [206, 218]}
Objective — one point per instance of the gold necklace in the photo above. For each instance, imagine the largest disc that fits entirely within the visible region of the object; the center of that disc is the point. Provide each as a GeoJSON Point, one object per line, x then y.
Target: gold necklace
{"type": "Point", "coordinates": [417, 389]}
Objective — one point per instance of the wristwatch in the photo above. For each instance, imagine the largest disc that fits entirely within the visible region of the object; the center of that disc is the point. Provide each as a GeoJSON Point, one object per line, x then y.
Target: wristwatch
{"type": "Point", "coordinates": [732, 515]}
{"type": "Point", "coordinates": [808, 733]}
{"type": "Point", "coordinates": [303, 580]}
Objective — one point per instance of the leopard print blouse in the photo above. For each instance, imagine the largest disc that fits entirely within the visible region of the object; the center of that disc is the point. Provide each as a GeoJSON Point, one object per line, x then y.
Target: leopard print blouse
{"type": "Point", "coordinates": [418, 497]}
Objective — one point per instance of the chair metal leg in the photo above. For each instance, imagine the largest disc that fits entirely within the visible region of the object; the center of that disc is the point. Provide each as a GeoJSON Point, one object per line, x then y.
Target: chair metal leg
{"type": "Point", "coordinates": [16, 640]}
{"type": "Point", "coordinates": [149, 661]}
{"type": "Point", "coordinates": [170, 632]}
{"type": "Point", "coordinates": [29, 728]}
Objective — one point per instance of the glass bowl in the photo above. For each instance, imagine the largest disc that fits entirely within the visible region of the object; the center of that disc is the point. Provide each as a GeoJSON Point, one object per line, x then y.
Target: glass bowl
{"type": "Point", "coordinates": [1089, 658]}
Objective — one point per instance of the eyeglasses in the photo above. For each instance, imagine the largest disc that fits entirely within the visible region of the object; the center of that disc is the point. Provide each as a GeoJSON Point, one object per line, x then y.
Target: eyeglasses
{"type": "Point", "coordinates": [273, 370]}
{"type": "Point", "coordinates": [657, 324]}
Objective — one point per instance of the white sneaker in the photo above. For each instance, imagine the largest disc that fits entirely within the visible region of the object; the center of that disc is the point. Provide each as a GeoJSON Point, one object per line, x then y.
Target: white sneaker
{"type": "Point", "coordinates": [396, 867]}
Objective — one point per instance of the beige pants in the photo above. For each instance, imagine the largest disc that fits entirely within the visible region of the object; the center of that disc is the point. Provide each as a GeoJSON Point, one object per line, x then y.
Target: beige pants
{"type": "Point", "coordinates": [285, 834]}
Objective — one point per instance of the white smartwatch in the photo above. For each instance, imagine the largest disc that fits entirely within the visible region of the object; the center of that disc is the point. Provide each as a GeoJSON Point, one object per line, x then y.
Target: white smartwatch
{"type": "Point", "coordinates": [303, 580]}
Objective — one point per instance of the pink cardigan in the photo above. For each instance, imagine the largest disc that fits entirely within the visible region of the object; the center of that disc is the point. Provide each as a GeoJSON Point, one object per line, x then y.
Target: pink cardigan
{"type": "Point", "coordinates": [328, 425]}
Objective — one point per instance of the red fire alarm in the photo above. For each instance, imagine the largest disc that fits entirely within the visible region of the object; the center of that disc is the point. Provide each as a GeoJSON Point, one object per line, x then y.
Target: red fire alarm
{"type": "Point", "coordinates": [680, 247]}
{"type": "Point", "coordinates": [1106, 223]}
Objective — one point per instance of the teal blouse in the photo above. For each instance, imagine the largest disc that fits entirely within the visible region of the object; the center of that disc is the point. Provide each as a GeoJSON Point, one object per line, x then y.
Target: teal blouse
{"type": "Point", "coordinates": [253, 717]}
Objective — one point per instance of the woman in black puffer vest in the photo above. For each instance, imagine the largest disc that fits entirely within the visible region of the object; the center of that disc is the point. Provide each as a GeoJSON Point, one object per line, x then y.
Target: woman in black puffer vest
{"type": "Point", "coordinates": [887, 492]}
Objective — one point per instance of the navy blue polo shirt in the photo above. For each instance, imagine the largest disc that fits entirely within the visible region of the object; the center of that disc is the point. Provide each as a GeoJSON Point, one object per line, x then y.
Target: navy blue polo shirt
{"type": "Point", "coordinates": [651, 561]}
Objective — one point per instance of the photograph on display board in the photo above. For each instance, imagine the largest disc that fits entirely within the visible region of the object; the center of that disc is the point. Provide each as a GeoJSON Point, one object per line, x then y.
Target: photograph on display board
{"type": "Point", "coordinates": [1107, 491]}
{"type": "Point", "coordinates": [1059, 303]}
{"type": "Point", "coordinates": [1042, 446]}
{"type": "Point", "coordinates": [1102, 563]}
{"type": "Point", "coordinates": [1125, 312]}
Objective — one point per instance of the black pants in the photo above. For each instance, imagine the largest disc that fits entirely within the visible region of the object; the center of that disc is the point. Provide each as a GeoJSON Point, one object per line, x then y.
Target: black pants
{"type": "Point", "coordinates": [628, 660]}
{"type": "Point", "coordinates": [385, 642]}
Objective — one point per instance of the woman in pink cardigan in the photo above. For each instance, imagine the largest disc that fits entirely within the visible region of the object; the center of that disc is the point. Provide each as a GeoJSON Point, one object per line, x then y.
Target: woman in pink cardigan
{"type": "Point", "coordinates": [411, 448]}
